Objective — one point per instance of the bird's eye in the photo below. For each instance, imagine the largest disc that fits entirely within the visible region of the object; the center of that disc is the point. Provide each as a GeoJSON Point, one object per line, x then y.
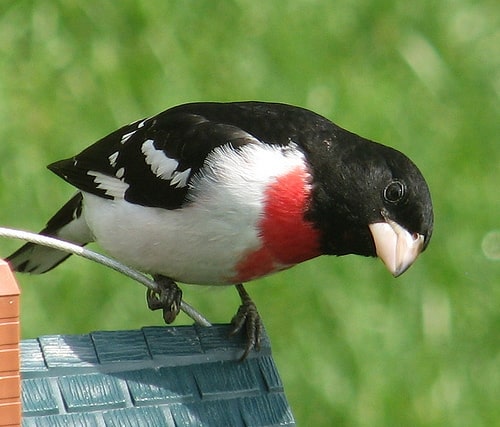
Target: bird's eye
{"type": "Point", "coordinates": [394, 192]}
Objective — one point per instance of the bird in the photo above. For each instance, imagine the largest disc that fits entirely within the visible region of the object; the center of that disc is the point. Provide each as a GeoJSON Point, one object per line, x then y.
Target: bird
{"type": "Point", "coordinates": [214, 193]}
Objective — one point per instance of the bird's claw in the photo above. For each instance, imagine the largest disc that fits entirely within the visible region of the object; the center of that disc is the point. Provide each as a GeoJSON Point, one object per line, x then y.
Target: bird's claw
{"type": "Point", "coordinates": [247, 316]}
{"type": "Point", "coordinates": [167, 297]}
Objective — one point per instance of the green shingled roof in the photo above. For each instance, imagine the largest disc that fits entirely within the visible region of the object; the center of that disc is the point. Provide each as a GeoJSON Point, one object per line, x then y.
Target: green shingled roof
{"type": "Point", "coordinates": [157, 376]}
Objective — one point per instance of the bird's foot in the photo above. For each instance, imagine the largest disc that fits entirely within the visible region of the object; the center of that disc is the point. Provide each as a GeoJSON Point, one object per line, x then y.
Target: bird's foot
{"type": "Point", "coordinates": [248, 317]}
{"type": "Point", "coordinates": [167, 297]}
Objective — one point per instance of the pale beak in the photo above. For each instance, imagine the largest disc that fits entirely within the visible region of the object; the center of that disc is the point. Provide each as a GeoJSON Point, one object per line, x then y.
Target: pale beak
{"type": "Point", "coordinates": [395, 246]}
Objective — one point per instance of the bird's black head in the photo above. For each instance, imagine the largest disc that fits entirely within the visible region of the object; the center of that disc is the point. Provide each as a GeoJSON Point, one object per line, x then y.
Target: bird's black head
{"type": "Point", "coordinates": [369, 199]}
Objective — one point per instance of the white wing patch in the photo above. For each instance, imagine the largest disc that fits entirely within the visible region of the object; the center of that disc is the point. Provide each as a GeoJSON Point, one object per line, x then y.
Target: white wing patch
{"type": "Point", "coordinates": [161, 165]}
{"type": "Point", "coordinates": [179, 179]}
{"type": "Point", "coordinates": [112, 186]}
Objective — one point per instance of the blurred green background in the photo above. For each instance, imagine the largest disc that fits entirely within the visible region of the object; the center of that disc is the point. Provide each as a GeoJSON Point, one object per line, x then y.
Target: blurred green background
{"type": "Point", "coordinates": [354, 346]}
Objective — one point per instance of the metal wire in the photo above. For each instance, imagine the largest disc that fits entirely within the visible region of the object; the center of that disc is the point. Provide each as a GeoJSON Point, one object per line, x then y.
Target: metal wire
{"type": "Point", "coordinates": [71, 248]}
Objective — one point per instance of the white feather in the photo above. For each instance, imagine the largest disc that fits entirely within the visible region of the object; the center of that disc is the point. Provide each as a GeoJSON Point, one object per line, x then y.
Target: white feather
{"type": "Point", "coordinates": [126, 137]}
{"type": "Point", "coordinates": [161, 165]}
{"type": "Point", "coordinates": [179, 179]}
{"type": "Point", "coordinates": [112, 186]}
{"type": "Point", "coordinates": [113, 158]}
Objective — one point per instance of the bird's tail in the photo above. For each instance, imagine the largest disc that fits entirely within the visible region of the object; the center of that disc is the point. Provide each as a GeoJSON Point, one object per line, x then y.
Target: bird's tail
{"type": "Point", "coordinates": [67, 224]}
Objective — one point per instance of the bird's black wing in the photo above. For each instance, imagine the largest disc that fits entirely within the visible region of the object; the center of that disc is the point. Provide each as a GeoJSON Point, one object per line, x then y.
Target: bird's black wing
{"type": "Point", "coordinates": [150, 162]}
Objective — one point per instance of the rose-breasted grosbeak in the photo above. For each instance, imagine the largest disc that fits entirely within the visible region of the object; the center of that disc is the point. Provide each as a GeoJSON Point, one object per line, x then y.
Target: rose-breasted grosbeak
{"type": "Point", "coordinates": [224, 193]}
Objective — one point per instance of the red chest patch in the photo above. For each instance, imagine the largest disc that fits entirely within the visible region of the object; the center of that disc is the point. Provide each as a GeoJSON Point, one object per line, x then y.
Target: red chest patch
{"type": "Point", "coordinates": [287, 239]}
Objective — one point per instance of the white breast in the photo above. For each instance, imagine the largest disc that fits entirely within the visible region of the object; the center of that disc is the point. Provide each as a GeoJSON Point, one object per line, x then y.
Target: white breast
{"type": "Point", "coordinates": [202, 241]}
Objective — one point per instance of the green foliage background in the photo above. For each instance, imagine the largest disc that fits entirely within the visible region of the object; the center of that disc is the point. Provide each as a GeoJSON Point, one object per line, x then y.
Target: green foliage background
{"type": "Point", "coordinates": [354, 346]}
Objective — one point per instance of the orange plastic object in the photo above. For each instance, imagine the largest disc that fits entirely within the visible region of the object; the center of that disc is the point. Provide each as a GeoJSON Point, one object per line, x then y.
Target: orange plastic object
{"type": "Point", "coordinates": [10, 380]}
